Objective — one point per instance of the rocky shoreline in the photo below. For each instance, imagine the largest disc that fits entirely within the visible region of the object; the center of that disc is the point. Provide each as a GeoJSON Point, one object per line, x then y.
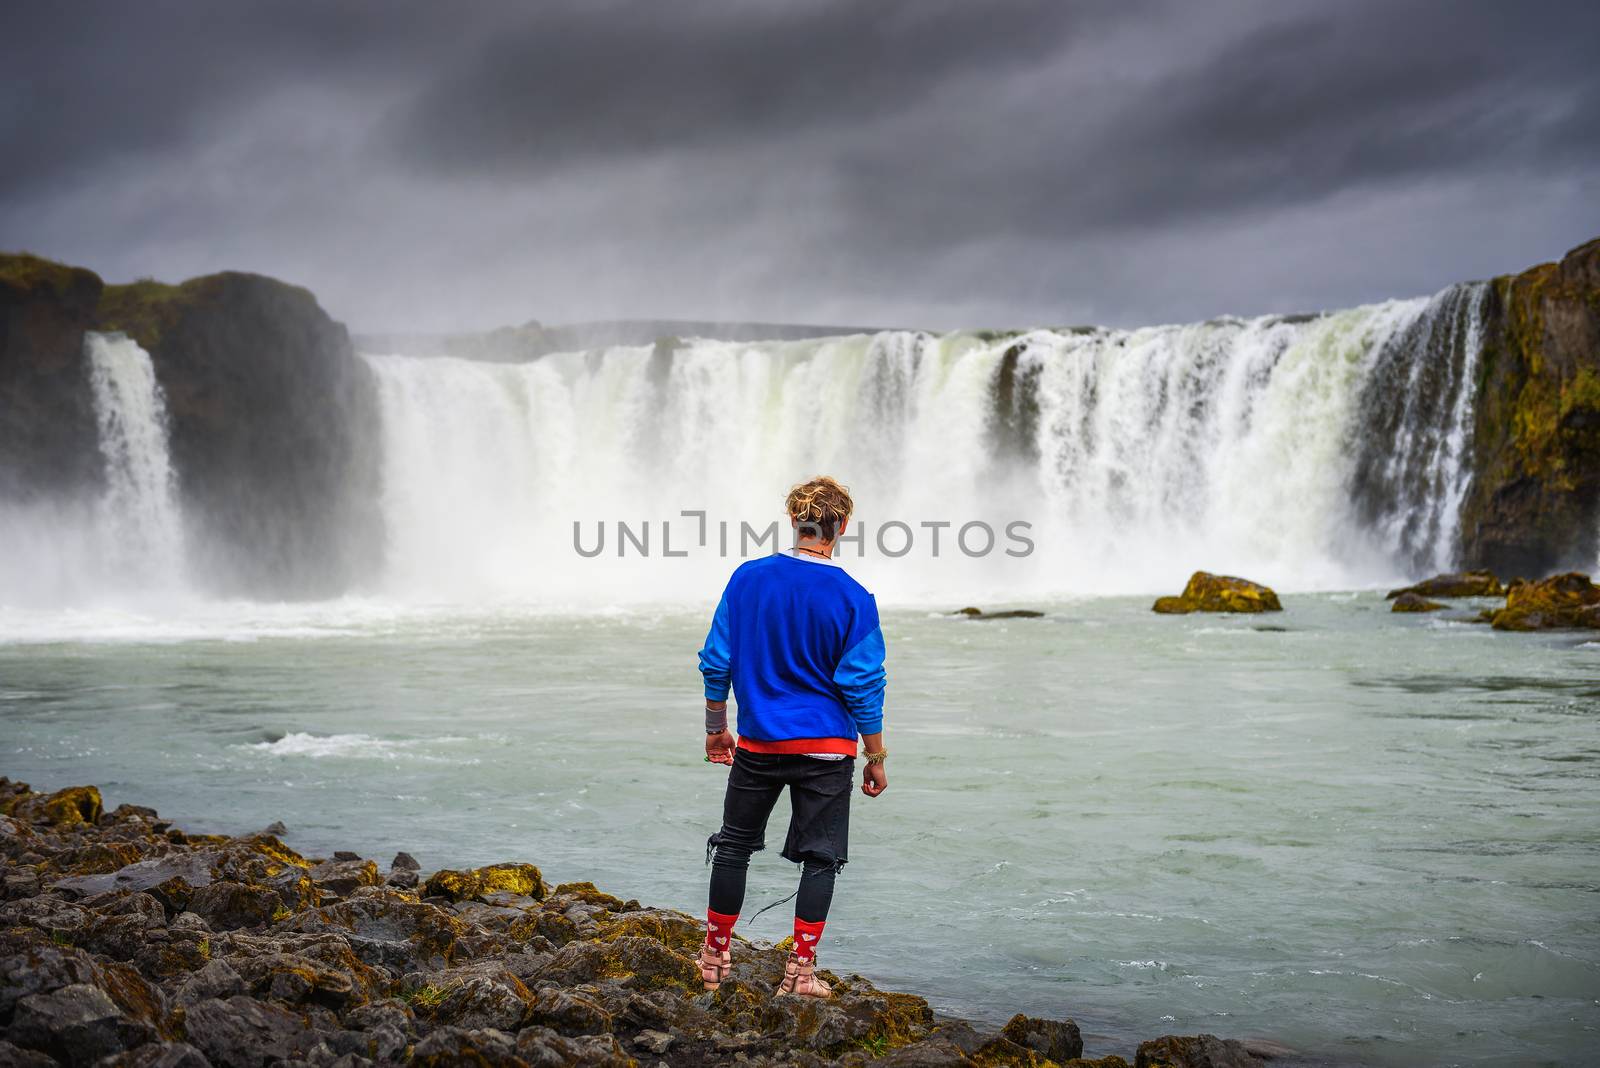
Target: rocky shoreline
{"type": "Point", "coordinates": [125, 941]}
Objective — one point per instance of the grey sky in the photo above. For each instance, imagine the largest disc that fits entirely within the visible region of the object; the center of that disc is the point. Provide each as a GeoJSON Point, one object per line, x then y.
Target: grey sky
{"type": "Point", "coordinates": [438, 166]}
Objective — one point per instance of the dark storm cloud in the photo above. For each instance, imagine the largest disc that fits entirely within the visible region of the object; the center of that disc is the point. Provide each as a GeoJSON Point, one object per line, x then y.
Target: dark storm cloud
{"type": "Point", "coordinates": [600, 82]}
{"type": "Point", "coordinates": [432, 165]}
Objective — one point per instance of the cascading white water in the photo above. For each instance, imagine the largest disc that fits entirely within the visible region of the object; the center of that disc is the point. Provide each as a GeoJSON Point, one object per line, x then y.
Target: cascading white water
{"type": "Point", "coordinates": [1133, 456]}
{"type": "Point", "coordinates": [140, 526]}
{"type": "Point", "coordinates": [126, 540]}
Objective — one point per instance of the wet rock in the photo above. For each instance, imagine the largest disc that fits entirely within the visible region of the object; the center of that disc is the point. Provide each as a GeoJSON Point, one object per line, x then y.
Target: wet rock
{"type": "Point", "coordinates": [493, 998]}
{"type": "Point", "coordinates": [342, 875]}
{"type": "Point", "coordinates": [404, 862]}
{"type": "Point", "coordinates": [388, 1012]}
{"type": "Point", "coordinates": [568, 1013]}
{"type": "Point", "coordinates": [457, 1047]}
{"type": "Point", "coordinates": [540, 1047]}
{"type": "Point", "coordinates": [1195, 1051]}
{"type": "Point", "coordinates": [1219, 593]}
{"type": "Point", "coordinates": [244, 1032]}
{"type": "Point", "coordinates": [1009, 613]}
{"type": "Point", "coordinates": [404, 880]}
{"type": "Point", "coordinates": [934, 1052]}
{"type": "Point", "coordinates": [1559, 602]}
{"type": "Point", "coordinates": [158, 1055]}
{"type": "Point", "coordinates": [1058, 1040]}
{"type": "Point", "coordinates": [218, 979]}
{"type": "Point", "coordinates": [1414, 602]}
{"type": "Point", "coordinates": [229, 905]}
{"type": "Point", "coordinates": [31, 964]}
{"type": "Point", "coordinates": [17, 1057]}
{"type": "Point", "coordinates": [657, 1042]}
{"type": "Point", "coordinates": [275, 828]}
{"type": "Point", "coordinates": [190, 869]}
{"type": "Point", "coordinates": [387, 928]}
{"type": "Point", "coordinates": [521, 879]}
{"type": "Point", "coordinates": [78, 1024]}
{"type": "Point", "coordinates": [1455, 584]}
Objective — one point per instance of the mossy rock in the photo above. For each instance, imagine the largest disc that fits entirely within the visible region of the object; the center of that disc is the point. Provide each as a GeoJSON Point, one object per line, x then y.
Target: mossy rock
{"type": "Point", "coordinates": [76, 805]}
{"type": "Point", "coordinates": [672, 929]}
{"type": "Point", "coordinates": [1414, 602]}
{"type": "Point", "coordinates": [646, 964]}
{"type": "Point", "coordinates": [1219, 593]}
{"type": "Point", "coordinates": [1563, 601]}
{"type": "Point", "coordinates": [588, 893]}
{"type": "Point", "coordinates": [524, 880]}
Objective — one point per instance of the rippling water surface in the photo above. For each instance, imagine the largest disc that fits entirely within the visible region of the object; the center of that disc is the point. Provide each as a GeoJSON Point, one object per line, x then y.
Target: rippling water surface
{"type": "Point", "coordinates": [1370, 837]}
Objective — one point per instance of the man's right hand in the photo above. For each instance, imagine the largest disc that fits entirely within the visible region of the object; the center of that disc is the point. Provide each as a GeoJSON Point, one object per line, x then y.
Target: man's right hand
{"type": "Point", "coordinates": [719, 747]}
{"type": "Point", "coordinates": [874, 780]}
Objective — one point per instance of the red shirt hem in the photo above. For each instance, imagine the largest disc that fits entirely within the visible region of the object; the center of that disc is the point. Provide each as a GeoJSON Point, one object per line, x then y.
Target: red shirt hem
{"type": "Point", "coordinates": [847, 746]}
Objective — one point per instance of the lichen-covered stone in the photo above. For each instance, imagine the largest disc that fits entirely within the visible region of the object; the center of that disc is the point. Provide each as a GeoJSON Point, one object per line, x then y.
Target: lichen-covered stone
{"type": "Point", "coordinates": [1559, 602]}
{"type": "Point", "coordinates": [521, 879]}
{"type": "Point", "coordinates": [227, 905]}
{"type": "Point", "coordinates": [64, 808]}
{"type": "Point", "coordinates": [1219, 593]}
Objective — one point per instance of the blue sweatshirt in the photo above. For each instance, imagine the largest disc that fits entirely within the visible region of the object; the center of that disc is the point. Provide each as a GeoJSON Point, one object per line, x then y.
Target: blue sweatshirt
{"type": "Point", "coordinates": [799, 642]}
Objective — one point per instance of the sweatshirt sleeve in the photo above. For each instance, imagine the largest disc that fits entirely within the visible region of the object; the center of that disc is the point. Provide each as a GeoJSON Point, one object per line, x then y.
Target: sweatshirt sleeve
{"type": "Point", "coordinates": [716, 656]}
{"type": "Point", "coordinates": [860, 675]}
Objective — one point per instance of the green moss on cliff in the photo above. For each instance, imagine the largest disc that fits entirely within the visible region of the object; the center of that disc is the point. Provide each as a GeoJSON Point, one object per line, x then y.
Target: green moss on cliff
{"type": "Point", "coordinates": [34, 272]}
{"type": "Point", "coordinates": [1536, 491]}
{"type": "Point", "coordinates": [143, 310]}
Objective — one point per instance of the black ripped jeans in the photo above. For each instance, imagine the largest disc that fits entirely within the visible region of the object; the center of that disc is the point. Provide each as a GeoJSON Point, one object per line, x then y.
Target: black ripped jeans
{"type": "Point", "coordinates": [819, 826]}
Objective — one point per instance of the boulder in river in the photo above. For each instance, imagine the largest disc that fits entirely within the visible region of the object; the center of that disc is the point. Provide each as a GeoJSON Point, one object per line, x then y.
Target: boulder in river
{"type": "Point", "coordinates": [1455, 584]}
{"type": "Point", "coordinates": [1009, 613]}
{"type": "Point", "coordinates": [1561, 601]}
{"type": "Point", "coordinates": [1219, 593]}
{"type": "Point", "coordinates": [1195, 1051]}
{"type": "Point", "coordinates": [1415, 602]}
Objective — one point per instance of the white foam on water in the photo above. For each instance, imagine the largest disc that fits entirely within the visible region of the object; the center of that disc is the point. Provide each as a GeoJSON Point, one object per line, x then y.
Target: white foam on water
{"type": "Point", "coordinates": [359, 747]}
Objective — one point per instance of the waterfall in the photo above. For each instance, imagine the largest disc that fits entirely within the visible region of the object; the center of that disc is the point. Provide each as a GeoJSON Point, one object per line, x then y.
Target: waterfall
{"type": "Point", "coordinates": [1413, 469]}
{"type": "Point", "coordinates": [1310, 452]}
{"type": "Point", "coordinates": [140, 528]}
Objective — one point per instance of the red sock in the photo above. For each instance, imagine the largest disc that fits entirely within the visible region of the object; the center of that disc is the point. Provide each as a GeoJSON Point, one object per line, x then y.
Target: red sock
{"type": "Point", "coordinates": [719, 929]}
{"type": "Point", "coordinates": [806, 937]}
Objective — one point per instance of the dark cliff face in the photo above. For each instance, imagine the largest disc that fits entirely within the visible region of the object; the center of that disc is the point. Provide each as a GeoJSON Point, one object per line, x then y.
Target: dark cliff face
{"type": "Point", "coordinates": [1534, 506]}
{"type": "Point", "coordinates": [274, 431]}
{"type": "Point", "coordinates": [48, 440]}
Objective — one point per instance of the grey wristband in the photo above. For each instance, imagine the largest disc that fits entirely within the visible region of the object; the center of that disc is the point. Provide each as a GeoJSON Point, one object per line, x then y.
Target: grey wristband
{"type": "Point", "coordinates": [716, 719]}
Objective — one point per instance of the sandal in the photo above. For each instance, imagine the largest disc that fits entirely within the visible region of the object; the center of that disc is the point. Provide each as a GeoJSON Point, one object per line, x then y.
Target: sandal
{"type": "Point", "coordinates": [714, 966]}
{"type": "Point", "coordinates": [800, 978]}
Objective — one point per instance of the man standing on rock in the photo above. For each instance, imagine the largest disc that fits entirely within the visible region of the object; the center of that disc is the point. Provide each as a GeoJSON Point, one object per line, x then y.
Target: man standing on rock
{"type": "Point", "coordinates": [797, 640]}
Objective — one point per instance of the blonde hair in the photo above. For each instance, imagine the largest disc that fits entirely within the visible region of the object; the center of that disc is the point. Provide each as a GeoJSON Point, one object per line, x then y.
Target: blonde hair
{"type": "Point", "coordinates": [820, 506]}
